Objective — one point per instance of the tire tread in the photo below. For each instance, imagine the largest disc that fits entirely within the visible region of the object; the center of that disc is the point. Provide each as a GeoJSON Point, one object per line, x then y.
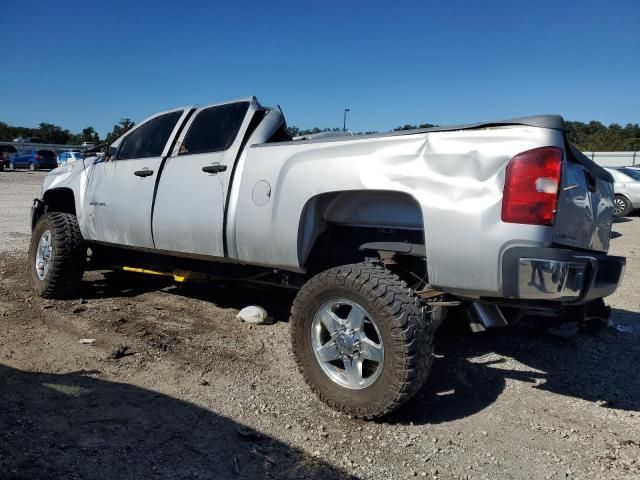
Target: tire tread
{"type": "Point", "coordinates": [67, 264]}
{"type": "Point", "coordinates": [412, 333]}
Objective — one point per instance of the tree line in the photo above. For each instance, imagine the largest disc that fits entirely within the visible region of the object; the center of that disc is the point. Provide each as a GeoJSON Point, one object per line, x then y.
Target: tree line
{"type": "Point", "coordinates": [50, 133]}
{"type": "Point", "coordinates": [593, 136]}
{"type": "Point", "coordinates": [596, 137]}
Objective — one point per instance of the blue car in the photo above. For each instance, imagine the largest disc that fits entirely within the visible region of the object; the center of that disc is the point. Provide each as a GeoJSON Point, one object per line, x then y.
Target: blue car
{"type": "Point", "coordinates": [33, 160]}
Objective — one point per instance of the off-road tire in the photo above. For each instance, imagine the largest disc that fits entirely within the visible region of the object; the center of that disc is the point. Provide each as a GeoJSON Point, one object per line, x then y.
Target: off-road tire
{"type": "Point", "coordinates": [622, 206]}
{"type": "Point", "coordinates": [406, 332]}
{"type": "Point", "coordinates": [68, 256]}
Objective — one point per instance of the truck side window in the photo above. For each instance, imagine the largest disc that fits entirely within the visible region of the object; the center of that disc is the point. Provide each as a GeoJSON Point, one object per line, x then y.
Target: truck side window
{"type": "Point", "coordinates": [214, 129]}
{"type": "Point", "coordinates": [149, 139]}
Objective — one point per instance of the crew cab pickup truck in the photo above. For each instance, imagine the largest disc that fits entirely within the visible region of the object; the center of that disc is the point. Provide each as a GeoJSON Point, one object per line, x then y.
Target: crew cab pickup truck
{"type": "Point", "coordinates": [380, 234]}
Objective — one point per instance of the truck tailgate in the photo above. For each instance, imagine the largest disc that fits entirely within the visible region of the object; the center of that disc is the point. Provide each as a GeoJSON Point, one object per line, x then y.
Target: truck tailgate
{"type": "Point", "coordinates": [585, 204]}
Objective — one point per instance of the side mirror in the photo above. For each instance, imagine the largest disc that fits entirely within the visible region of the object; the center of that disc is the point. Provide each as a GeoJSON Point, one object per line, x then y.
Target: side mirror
{"type": "Point", "coordinates": [112, 151]}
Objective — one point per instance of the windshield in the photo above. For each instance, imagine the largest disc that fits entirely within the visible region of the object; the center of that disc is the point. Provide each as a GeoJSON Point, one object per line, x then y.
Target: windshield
{"type": "Point", "coordinates": [632, 172]}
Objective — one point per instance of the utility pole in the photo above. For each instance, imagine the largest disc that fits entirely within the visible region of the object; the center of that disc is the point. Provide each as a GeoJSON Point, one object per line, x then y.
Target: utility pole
{"type": "Point", "coordinates": [344, 121]}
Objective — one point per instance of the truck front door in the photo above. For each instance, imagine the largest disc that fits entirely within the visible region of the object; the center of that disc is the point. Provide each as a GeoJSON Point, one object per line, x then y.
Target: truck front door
{"type": "Point", "coordinates": [120, 190]}
{"type": "Point", "coordinates": [189, 208]}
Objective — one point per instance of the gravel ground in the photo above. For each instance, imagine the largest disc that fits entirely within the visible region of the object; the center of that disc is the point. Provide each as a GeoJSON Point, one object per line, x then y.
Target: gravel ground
{"type": "Point", "coordinates": [175, 387]}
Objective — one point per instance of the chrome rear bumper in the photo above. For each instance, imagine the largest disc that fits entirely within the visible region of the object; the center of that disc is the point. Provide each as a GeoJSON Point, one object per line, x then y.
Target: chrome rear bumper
{"type": "Point", "coordinates": [560, 275]}
{"type": "Point", "coordinates": [543, 279]}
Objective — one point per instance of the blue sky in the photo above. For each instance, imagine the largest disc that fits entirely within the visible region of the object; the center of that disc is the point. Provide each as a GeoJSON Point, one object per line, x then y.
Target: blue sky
{"type": "Point", "coordinates": [91, 63]}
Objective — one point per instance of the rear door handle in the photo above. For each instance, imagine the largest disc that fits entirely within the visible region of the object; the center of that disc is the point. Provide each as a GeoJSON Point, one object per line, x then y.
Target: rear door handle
{"type": "Point", "coordinates": [215, 168]}
{"type": "Point", "coordinates": [145, 172]}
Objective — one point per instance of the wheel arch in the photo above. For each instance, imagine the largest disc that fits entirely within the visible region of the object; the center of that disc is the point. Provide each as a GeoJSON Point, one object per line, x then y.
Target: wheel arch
{"type": "Point", "coordinates": [373, 209]}
{"type": "Point", "coordinates": [61, 200]}
{"type": "Point", "coordinates": [618, 194]}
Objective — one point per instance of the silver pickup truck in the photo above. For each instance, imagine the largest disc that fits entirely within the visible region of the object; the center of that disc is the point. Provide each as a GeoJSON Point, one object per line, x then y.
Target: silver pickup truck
{"type": "Point", "coordinates": [382, 235]}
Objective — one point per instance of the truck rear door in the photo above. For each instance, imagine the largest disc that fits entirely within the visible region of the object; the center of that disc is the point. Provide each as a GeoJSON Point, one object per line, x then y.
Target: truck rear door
{"type": "Point", "coordinates": [188, 215]}
{"type": "Point", "coordinates": [585, 204]}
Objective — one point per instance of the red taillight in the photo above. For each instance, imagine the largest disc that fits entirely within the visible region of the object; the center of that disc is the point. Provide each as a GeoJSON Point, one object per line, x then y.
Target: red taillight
{"type": "Point", "coordinates": [531, 186]}
{"type": "Point", "coordinates": [38, 157]}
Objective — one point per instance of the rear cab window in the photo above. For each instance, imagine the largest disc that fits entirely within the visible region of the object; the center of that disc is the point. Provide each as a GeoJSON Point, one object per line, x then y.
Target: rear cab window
{"type": "Point", "coordinates": [214, 129]}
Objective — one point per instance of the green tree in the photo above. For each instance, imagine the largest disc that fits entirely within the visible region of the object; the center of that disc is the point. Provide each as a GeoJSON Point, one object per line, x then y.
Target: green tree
{"type": "Point", "coordinates": [122, 127]}
{"type": "Point", "coordinates": [50, 133]}
{"type": "Point", "coordinates": [293, 131]}
{"type": "Point", "coordinates": [596, 137]}
{"type": "Point", "coordinates": [90, 135]}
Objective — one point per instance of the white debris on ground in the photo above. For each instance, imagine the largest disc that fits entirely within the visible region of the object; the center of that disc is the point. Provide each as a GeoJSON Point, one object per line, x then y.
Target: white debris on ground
{"type": "Point", "coordinates": [253, 314]}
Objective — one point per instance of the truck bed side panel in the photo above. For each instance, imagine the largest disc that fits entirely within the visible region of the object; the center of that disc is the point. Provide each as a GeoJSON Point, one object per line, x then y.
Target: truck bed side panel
{"type": "Point", "coordinates": [457, 178]}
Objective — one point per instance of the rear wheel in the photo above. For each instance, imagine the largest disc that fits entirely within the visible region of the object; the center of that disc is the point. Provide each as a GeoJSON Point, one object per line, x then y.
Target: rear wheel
{"type": "Point", "coordinates": [621, 206]}
{"type": "Point", "coordinates": [361, 340]}
{"type": "Point", "coordinates": [56, 256]}
{"type": "Point", "coordinates": [32, 166]}
{"type": "Point", "coordinates": [11, 166]}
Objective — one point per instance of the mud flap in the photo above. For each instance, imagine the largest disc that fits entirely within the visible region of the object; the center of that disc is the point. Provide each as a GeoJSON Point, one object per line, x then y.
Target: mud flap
{"type": "Point", "coordinates": [37, 210]}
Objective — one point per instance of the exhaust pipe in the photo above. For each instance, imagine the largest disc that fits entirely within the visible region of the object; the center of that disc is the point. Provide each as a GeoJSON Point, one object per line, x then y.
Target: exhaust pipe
{"type": "Point", "coordinates": [483, 317]}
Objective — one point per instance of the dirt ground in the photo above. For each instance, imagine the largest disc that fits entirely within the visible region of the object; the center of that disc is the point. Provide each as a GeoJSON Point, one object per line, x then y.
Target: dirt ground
{"type": "Point", "coordinates": [174, 386]}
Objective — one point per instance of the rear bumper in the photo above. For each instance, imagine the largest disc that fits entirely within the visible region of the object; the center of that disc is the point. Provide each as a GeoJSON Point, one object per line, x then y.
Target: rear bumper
{"type": "Point", "coordinates": [560, 275]}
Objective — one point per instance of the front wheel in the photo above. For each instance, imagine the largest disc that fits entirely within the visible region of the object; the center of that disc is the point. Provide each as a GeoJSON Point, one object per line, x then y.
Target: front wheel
{"type": "Point", "coordinates": [361, 340]}
{"type": "Point", "coordinates": [11, 166]}
{"type": "Point", "coordinates": [56, 256]}
{"type": "Point", "coordinates": [621, 206]}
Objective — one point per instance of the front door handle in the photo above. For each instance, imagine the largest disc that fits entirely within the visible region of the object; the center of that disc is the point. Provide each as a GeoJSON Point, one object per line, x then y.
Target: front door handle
{"type": "Point", "coordinates": [145, 172]}
{"type": "Point", "coordinates": [215, 168]}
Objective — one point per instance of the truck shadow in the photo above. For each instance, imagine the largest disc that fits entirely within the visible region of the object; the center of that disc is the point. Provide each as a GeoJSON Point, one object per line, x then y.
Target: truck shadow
{"type": "Point", "coordinates": [471, 370]}
{"type": "Point", "coordinates": [276, 301]}
{"type": "Point", "coordinates": [75, 425]}
{"type": "Point", "coordinates": [116, 284]}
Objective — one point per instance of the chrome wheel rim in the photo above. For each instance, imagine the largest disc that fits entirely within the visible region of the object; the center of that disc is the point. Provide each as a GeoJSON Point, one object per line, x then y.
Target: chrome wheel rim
{"type": "Point", "coordinates": [347, 344]}
{"type": "Point", "coordinates": [43, 254]}
{"type": "Point", "coordinates": [618, 206]}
